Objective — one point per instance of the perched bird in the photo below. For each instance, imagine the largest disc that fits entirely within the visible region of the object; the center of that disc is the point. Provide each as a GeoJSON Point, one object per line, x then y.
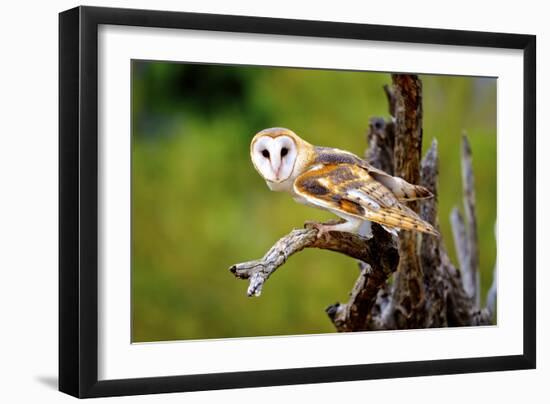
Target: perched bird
{"type": "Point", "coordinates": [337, 181]}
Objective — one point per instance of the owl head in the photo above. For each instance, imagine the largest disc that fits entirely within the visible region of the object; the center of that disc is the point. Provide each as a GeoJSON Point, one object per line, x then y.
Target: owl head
{"type": "Point", "coordinates": [274, 153]}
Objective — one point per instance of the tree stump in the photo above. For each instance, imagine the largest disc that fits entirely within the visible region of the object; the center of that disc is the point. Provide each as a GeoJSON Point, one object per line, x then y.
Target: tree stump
{"type": "Point", "coordinates": [427, 289]}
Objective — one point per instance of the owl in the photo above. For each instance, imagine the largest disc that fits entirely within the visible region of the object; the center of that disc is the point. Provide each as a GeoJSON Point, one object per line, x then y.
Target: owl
{"type": "Point", "coordinates": [337, 181]}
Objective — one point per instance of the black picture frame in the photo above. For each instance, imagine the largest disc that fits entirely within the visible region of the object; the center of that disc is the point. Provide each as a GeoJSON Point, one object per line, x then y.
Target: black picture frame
{"type": "Point", "coordinates": [78, 200]}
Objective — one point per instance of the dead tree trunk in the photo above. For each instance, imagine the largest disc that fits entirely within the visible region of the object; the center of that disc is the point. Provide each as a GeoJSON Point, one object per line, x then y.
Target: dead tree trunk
{"type": "Point", "coordinates": [427, 290]}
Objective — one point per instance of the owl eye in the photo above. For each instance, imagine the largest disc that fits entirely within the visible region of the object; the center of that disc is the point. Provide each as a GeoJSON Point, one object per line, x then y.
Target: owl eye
{"type": "Point", "coordinates": [284, 151]}
{"type": "Point", "coordinates": [265, 153]}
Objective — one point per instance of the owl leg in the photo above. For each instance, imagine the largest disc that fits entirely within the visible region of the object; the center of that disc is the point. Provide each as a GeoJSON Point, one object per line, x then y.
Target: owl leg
{"type": "Point", "coordinates": [365, 229]}
{"type": "Point", "coordinates": [350, 226]}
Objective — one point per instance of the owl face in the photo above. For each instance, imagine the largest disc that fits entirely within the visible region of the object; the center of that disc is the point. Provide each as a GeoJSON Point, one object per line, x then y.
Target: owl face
{"type": "Point", "coordinates": [274, 154]}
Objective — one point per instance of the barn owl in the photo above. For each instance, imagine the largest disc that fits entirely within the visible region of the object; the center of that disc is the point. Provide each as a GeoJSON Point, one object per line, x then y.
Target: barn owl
{"type": "Point", "coordinates": [337, 181]}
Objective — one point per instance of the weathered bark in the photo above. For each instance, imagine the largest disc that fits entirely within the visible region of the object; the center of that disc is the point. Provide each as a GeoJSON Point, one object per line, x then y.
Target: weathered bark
{"type": "Point", "coordinates": [491, 301]}
{"type": "Point", "coordinates": [465, 232]}
{"type": "Point", "coordinates": [408, 292]}
{"type": "Point", "coordinates": [380, 251]}
{"type": "Point", "coordinates": [380, 139]}
{"type": "Point", "coordinates": [427, 290]}
{"type": "Point", "coordinates": [375, 271]}
{"type": "Point", "coordinates": [430, 250]}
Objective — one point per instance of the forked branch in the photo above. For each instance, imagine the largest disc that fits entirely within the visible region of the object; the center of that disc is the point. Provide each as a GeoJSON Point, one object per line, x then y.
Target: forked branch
{"type": "Point", "coordinates": [379, 252]}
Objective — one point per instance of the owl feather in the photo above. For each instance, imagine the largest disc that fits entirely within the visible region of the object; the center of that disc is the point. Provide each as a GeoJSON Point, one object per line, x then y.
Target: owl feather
{"type": "Point", "coordinates": [351, 189]}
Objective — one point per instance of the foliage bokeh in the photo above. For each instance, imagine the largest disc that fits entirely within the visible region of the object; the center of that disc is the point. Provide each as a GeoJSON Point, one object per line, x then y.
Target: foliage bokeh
{"type": "Point", "coordinates": [198, 206]}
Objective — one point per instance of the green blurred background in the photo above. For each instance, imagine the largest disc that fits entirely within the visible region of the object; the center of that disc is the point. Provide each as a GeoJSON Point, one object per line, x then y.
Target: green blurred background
{"type": "Point", "coordinates": [198, 205]}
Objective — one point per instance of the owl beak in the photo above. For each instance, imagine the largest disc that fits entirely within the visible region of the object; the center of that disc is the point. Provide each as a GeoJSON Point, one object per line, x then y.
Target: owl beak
{"type": "Point", "coordinates": [277, 174]}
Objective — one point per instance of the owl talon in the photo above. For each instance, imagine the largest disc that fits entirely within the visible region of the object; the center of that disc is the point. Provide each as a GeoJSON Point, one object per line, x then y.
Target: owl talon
{"type": "Point", "coordinates": [321, 228]}
{"type": "Point", "coordinates": [346, 227]}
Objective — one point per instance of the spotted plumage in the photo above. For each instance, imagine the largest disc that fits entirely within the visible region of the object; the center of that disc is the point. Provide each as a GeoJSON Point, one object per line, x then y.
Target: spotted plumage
{"type": "Point", "coordinates": [337, 181]}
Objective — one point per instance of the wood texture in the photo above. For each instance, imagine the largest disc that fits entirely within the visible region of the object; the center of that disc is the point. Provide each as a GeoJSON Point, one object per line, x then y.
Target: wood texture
{"type": "Point", "coordinates": [408, 304]}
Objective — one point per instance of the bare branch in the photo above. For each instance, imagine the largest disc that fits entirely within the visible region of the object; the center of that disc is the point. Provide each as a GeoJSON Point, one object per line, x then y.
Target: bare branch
{"type": "Point", "coordinates": [380, 254]}
{"type": "Point", "coordinates": [492, 295]}
{"type": "Point", "coordinates": [461, 247]}
{"type": "Point", "coordinates": [472, 272]}
{"type": "Point", "coordinates": [429, 251]}
{"type": "Point", "coordinates": [491, 301]}
{"type": "Point", "coordinates": [259, 271]}
{"type": "Point", "coordinates": [429, 173]}
{"type": "Point", "coordinates": [465, 229]}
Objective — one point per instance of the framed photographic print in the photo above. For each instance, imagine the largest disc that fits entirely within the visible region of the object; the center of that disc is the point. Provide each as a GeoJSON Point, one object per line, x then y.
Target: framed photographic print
{"type": "Point", "coordinates": [251, 201]}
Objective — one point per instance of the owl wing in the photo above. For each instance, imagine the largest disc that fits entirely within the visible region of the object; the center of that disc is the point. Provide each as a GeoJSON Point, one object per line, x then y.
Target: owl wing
{"type": "Point", "coordinates": [402, 190]}
{"type": "Point", "coordinates": [351, 189]}
{"type": "Point", "coordinates": [398, 186]}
